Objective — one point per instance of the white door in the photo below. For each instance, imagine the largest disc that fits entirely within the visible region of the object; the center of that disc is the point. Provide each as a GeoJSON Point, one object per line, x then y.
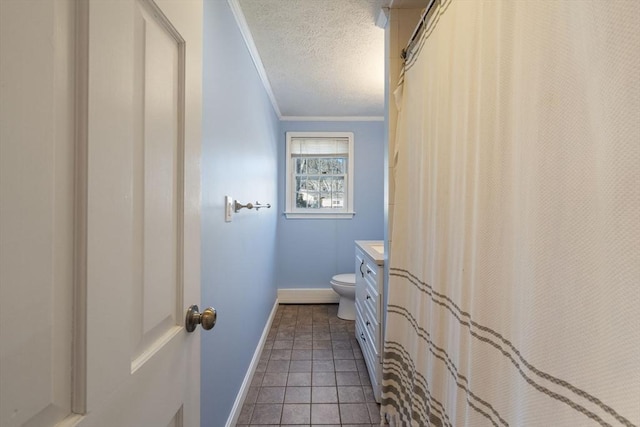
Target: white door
{"type": "Point", "coordinates": [117, 229]}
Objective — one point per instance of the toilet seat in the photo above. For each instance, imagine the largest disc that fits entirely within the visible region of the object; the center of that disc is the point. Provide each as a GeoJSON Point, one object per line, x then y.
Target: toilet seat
{"type": "Point", "coordinates": [348, 279]}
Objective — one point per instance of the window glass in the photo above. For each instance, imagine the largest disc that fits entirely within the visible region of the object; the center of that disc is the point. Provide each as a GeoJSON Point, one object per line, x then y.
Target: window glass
{"type": "Point", "coordinates": [319, 173]}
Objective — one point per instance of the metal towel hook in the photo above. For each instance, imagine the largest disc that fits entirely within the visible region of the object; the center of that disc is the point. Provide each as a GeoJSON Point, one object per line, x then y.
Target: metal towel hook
{"type": "Point", "coordinates": [256, 206]}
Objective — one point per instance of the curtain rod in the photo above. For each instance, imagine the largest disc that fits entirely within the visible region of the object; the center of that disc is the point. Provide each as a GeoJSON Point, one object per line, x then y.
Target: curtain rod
{"type": "Point", "coordinates": [416, 31]}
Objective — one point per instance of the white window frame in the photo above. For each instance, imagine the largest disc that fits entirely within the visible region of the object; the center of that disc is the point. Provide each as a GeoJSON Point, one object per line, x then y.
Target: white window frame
{"type": "Point", "coordinates": [293, 212]}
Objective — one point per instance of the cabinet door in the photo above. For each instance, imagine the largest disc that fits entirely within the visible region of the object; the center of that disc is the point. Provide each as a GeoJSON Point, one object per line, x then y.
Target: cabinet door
{"type": "Point", "coordinates": [360, 275]}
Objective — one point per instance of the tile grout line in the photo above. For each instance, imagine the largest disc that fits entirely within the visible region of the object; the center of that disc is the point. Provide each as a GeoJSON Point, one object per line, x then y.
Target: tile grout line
{"type": "Point", "coordinates": [286, 327]}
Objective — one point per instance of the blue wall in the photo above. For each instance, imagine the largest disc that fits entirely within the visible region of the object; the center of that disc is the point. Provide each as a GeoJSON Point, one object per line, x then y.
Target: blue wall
{"type": "Point", "coordinates": [310, 251]}
{"type": "Point", "coordinates": [239, 158]}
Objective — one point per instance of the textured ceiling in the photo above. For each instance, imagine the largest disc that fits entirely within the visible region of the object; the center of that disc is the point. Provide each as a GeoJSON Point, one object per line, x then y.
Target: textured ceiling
{"type": "Point", "coordinates": [406, 4]}
{"type": "Point", "coordinates": [323, 58]}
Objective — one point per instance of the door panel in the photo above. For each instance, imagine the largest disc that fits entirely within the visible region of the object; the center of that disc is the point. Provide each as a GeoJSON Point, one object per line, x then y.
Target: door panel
{"type": "Point", "coordinates": [36, 212]}
{"type": "Point", "coordinates": [157, 191]}
{"type": "Point", "coordinates": [143, 125]}
{"type": "Point", "coordinates": [100, 212]}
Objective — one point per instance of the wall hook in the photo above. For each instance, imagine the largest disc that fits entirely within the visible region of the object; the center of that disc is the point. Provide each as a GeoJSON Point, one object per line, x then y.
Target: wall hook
{"type": "Point", "coordinates": [256, 206]}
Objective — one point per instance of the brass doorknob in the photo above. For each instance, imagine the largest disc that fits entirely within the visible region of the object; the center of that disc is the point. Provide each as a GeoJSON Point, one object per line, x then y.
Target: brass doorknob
{"type": "Point", "coordinates": [194, 318]}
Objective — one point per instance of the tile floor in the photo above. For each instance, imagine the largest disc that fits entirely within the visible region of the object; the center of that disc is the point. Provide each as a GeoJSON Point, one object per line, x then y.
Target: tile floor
{"type": "Point", "coordinates": [311, 372]}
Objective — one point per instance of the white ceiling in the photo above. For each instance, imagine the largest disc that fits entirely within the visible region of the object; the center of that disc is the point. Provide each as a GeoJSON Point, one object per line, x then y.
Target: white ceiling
{"type": "Point", "coordinates": [322, 58]}
{"type": "Point", "coordinates": [406, 4]}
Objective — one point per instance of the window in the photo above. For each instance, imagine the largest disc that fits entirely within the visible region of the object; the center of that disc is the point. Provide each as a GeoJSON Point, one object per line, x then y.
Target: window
{"type": "Point", "coordinates": [319, 175]}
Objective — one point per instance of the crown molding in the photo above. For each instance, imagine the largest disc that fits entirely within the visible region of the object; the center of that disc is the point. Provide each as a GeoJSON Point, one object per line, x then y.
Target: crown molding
{"type": "Point", "coordinates": [253, 51]}
{"type": "Point", "coordinates": [262, 73]}
{"type": "Point", "coordinates": [332, 118]}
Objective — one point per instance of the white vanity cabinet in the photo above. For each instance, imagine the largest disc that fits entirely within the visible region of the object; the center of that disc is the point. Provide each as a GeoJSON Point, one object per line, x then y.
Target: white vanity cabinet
{"type": "Point", "coordinates": [369, 286]}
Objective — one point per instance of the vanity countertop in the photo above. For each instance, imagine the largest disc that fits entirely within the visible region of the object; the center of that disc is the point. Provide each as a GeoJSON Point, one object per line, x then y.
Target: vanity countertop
{"type": "Point", "coordinates": [373, 248]}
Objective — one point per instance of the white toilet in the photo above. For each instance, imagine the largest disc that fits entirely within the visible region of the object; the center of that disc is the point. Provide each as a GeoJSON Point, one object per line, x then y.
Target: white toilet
{"type": "Point", "coordinates": [345, 286]}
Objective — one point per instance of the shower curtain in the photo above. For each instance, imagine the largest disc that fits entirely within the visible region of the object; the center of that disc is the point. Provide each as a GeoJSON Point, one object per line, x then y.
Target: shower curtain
{"type": "Point", "coordinates": [514, 286]}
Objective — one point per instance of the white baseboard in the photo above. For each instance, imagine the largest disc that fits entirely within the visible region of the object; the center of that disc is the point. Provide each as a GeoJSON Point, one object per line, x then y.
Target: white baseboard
{"type": "Point", "coordinates": [244, 388]}
{"type": "Point", "coordinates": [308, 296]}
{"type": "Point", "coordinates": [285, 296]}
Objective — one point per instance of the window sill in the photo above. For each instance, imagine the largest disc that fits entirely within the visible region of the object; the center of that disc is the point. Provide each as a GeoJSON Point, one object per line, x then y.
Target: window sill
{"type": "Point", "coordinates": [319, 215]}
